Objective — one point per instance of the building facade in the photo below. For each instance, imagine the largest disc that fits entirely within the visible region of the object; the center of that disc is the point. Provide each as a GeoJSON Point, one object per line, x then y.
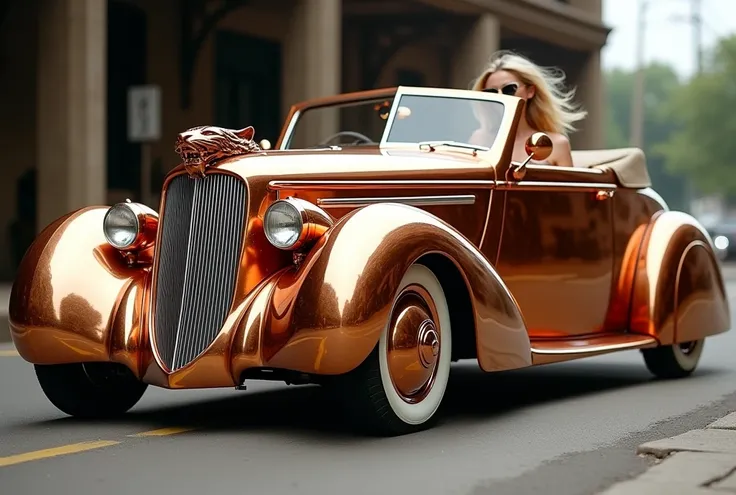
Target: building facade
{"type": "Point", "coordinates": [66, 67]}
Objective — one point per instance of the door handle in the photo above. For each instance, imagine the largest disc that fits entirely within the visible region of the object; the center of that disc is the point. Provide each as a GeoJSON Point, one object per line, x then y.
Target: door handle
{"type": "Point", "coordinates": [603, 195]}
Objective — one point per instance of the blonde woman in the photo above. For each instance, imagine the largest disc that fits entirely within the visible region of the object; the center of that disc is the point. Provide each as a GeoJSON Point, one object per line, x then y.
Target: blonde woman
{"type": "Point", "coordinates": [549, 108]}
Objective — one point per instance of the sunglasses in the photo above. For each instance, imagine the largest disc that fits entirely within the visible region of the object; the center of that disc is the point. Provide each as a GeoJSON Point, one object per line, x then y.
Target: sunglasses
{"type": "Point", "coordinates": [509, 89]}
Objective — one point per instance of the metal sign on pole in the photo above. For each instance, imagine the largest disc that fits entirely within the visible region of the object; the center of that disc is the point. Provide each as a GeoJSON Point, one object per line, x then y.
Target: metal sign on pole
{"type": "Point", "coordinates": [144, 126]}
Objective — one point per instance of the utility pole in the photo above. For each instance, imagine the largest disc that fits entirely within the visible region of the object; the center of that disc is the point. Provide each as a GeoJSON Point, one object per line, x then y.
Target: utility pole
{"type": "Point", "coordinates": [696, 21]}
{"type": "Point", "coordinates": [637, 102]}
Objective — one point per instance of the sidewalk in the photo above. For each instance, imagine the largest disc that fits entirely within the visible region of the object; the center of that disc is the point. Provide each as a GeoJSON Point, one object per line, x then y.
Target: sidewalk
{"type": "Point", "coordinates": [698, 462]}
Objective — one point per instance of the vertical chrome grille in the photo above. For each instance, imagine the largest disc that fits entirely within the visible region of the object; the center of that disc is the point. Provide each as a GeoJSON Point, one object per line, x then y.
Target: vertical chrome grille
{"type": "Point", "coordinates": [202, 228]}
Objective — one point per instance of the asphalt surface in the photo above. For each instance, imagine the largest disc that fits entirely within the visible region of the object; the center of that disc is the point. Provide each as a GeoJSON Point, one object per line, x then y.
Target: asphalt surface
{"type": "Point", "coordinates": [568, 428]}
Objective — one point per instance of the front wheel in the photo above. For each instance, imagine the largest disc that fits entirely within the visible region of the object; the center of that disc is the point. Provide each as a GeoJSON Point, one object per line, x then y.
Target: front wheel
{"type": "Point", "coordinates": [400, 386]}
{"type": "Point", "coordinates": [90, 390]}
{"type": "Point", "coordinates": [674, 361]}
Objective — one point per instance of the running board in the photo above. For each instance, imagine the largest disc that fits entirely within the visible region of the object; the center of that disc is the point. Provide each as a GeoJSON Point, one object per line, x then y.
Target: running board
{"type": "Point", "coordinates": [554, 350]}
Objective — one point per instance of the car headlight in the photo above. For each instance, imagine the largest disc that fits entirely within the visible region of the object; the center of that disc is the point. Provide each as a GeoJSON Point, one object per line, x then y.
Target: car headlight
{"type": "Point", "coordinates": [290, 223]}
{"type": "Point", "coordinates": [721, 242]}
{"type": "Point", "coordinates": [283, 224]}
{"type": "Point", "coordinates": [128, 226]}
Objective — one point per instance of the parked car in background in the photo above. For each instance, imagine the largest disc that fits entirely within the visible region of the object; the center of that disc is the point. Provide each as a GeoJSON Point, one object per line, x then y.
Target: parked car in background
{"type": "Point", "coordinates": [724, 239]}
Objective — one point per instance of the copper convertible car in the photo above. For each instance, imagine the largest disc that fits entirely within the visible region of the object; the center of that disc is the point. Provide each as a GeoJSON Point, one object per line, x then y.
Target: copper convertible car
{"type": "Point", "coordinates": [366, 260]}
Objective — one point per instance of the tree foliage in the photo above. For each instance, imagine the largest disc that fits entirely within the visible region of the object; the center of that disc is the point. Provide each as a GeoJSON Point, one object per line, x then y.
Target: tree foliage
{"type": "Point", "coordinates": [703, 145]}
{"type": "Point", "coordinates": [661, 83]}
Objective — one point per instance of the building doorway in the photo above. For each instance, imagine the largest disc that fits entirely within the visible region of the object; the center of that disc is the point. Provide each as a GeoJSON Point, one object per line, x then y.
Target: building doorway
{"type": "Point", "coordinates": [248, 84]}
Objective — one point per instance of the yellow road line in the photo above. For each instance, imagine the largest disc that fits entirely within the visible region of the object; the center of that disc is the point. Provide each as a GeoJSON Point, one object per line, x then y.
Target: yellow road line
{"type": "Point", "coordinates": [163, 432]}
{"type": "Point", "coordinates": [54, 452]}
{"type": "Point", "coordinates": [9, 353]}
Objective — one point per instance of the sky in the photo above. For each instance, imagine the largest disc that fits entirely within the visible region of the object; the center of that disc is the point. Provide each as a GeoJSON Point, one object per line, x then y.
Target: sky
{"type": "Point", "coordinates": [667, 39]}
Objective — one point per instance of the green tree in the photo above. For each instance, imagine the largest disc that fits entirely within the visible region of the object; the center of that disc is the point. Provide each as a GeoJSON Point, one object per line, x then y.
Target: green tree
{"type": "Point", "coordinates": [704, 145]}
{"type": "Point", "coordinates": [661, 83]}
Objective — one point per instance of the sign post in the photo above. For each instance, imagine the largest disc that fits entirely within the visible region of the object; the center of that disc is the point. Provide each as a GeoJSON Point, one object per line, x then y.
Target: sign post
{"type": "Point", "coordinates": [144, 126]}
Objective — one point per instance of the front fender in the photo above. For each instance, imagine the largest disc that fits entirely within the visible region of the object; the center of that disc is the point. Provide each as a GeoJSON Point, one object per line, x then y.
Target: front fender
{"type": "Point", "coordinates": [70, 286]}
{"type": "Point", "coordinates": [678, 294]}
{"type": "Point", "coordinates": [327, 316]}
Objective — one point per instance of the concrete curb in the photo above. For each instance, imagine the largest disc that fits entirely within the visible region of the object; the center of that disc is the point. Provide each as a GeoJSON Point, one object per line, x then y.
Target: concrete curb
{"type": "Point", "coordinates": [696, 462]}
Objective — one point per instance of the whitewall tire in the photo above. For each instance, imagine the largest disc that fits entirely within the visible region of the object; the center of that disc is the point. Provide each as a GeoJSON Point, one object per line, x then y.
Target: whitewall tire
{"type": "Point", "coordinates": [399, 388]}
{"type": "Point", "coordinates": [674, 361]}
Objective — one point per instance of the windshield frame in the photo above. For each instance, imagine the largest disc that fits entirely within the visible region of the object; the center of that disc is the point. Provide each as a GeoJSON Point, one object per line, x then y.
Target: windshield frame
{"type": "Point", "coordinates": [511, 113]}
{"type": "Point", "coordinates": [510, 104]}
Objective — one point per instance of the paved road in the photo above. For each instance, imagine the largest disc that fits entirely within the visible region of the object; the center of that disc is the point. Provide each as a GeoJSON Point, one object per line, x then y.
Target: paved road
{"type": "Point", "coordinates": [567, 429]}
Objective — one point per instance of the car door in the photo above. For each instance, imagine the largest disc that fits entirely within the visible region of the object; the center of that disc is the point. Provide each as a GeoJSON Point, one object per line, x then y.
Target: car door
{"type": "Point", "coordinates": [556, 249]}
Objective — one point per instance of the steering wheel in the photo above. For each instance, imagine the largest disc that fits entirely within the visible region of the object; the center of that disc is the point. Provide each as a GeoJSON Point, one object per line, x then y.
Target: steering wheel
{"type": "Point", "coordinates": [358, 137]}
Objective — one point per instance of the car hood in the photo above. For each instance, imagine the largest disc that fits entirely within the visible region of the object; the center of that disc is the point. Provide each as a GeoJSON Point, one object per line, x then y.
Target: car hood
{"type": "Point", "coordinates": [366, 163]}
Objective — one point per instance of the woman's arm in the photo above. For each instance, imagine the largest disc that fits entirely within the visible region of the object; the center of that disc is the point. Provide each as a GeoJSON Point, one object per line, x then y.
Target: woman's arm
{"type": "Point", "coordinates": [561, 151]}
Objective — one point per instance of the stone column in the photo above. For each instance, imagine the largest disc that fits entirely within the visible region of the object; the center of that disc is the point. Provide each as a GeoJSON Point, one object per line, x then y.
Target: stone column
{"type": "Point", "coordinates": [313, 63]}
{"type": "Point", "coordinates": [475, 50]}
{"type": "Point", "coordinates": [591, 94]}
{"type": "Point", "coordinates": [72, 125]}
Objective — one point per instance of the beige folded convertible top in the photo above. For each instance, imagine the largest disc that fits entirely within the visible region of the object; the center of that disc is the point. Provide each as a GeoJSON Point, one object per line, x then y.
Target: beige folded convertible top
{"type": "Point", "coordinates": [629, 164]}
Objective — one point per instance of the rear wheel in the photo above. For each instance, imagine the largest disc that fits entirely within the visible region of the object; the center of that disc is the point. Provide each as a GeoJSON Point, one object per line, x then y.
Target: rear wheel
{"type": "Point", "coordinates": [400, 386]}
{"type": "Point", "coordinates": [674, 361]}
{"type": "Point", "coordinates": [90, 390]}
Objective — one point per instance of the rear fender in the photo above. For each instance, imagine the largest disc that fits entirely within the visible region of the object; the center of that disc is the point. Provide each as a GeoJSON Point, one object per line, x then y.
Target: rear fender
{"type": "Point", "coordinates": [327, 316]}
{"type": "Point", "coordinates": [678, 290]}
{"type": "Point", "coordinates": [72, 289]}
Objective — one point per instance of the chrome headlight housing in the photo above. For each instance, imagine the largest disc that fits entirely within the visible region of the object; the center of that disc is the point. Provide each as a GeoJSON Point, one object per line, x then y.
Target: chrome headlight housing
{"type": "Point", "coordinates": [292, 222]}
{"type": "Point", "coordinates": [128, 226]}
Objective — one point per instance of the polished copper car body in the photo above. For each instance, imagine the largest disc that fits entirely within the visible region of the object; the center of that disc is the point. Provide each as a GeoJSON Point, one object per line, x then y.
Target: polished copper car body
{"type": "Point", "coordinates": [539, 263]}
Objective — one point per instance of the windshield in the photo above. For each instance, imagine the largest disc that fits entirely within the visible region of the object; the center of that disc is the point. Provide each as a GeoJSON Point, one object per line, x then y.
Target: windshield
{"type": "Point", "coordinates": [422, 118]}
{"type": "Point", "coordinates": [417, 119]}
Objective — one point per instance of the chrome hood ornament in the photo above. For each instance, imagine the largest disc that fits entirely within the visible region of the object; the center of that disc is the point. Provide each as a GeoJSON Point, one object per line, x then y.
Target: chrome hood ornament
{"type": "Point", "coordinates": [200, 147]}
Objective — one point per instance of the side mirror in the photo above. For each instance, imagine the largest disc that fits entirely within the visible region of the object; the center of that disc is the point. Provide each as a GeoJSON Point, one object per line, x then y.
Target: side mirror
{"type": "Point", "coordinates": [383, 109]}
{"type": "Point", "coordinates": [265, 144]}
{"type": "Point", "coordinates": [537, 146]}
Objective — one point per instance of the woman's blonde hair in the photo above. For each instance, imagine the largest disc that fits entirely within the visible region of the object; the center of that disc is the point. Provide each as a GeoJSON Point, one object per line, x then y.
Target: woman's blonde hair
{"type": "Point", "coordinates": [552, 108]}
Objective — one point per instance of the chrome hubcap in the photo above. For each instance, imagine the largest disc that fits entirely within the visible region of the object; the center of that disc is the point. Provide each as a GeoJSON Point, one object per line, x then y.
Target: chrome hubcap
{"type": "Point", "coordinates": [413, 345]}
